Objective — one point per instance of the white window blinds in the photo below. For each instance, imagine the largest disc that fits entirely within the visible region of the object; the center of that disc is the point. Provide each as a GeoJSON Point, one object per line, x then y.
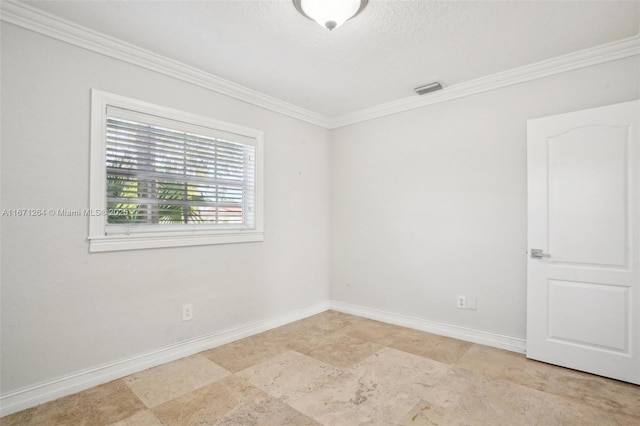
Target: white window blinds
{"type": "Point", "coordinates": [167, 173]}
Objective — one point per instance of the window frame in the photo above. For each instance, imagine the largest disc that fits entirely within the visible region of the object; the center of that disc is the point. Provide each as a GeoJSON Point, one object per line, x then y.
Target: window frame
{"type": "Point", "coordinates": [172, 235]}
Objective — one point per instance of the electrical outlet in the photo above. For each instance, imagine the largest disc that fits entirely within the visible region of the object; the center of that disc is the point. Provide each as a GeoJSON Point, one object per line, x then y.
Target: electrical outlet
{"type": "Point", "coordinates": [461, 302]}
{"type": "Point", "coordinates": [187, 312]}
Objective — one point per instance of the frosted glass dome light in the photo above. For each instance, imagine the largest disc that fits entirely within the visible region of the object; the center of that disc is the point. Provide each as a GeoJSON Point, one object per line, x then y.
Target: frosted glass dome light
{"type": "Point", "coordinates": [330, 14]}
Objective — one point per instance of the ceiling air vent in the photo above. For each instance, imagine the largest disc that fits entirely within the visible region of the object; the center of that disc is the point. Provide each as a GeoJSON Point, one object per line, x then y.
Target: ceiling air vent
{"type": "Point", "coordinates": [431, 87]}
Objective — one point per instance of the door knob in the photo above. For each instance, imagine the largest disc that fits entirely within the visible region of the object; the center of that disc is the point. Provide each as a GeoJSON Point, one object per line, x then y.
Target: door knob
{"type": "Point", "coordinates": [538, 254]}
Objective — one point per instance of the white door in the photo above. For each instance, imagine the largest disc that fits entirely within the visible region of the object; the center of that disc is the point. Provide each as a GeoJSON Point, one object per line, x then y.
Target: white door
{"type": "Point", "coordinates": [583, 289]}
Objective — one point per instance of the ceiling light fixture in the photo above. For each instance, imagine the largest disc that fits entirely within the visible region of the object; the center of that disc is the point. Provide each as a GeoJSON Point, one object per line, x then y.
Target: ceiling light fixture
{"type": "Point", "coordinates": [330, 14]}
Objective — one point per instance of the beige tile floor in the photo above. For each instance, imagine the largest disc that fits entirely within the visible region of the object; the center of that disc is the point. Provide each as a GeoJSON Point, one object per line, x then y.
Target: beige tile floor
{"type": "Point", "coordinates": [338, 369]}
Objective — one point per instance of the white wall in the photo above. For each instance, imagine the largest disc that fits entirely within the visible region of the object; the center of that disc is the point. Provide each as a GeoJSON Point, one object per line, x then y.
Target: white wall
{"type": "Point", "coordinates": [424, 205]}
{"type": "Point", "coordinates": [64, 309]}
{"type": "Point", "coordinates": [432, 203]}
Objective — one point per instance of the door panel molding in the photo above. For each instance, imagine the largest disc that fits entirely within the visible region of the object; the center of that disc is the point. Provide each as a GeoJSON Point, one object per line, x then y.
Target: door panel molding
{"type": "Point", "coordinates": [585, 298]}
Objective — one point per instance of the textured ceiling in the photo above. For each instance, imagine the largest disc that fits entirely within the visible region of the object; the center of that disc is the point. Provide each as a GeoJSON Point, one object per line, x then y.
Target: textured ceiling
{"type": "Point", "coordinates": [378, 57]}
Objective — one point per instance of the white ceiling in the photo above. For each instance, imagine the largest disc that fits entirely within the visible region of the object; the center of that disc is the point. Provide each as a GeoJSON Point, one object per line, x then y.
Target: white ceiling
{"type": "Point", "coordinates": [378, 57]}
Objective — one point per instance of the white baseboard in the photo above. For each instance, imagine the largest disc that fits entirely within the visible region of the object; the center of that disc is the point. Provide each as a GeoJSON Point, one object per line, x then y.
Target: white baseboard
{"type": "Point", "coordinates": [81, 380]}
{"type": "Point", "coordinates": [513, 344]}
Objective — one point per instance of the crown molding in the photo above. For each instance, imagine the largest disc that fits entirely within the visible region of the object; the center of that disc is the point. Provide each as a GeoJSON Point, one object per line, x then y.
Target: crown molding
{"type": "Point", "coordinates": [572, 61]}
{"type": "Point", "coordinates": [33, 19]}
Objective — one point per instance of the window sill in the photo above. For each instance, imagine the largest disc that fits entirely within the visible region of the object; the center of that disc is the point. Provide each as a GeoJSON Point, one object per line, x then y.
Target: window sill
{"type": "Point", "coordinates": [140, 241]}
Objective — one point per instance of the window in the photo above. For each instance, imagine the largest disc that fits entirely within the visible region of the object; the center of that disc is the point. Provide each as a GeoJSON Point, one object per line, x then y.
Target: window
{"type": "Point", "coordinates": [164, 178]}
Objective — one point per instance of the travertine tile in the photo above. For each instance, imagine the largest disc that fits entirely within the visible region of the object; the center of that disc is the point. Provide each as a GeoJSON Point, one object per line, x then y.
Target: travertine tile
{"type": "Point", "coordinates": [301, 339]}
{"type": "Point", "coordinates": [605, 394]}
{"type": "Point", "coordinates": [101, 405]}
{"type": "Point", "coordinates": [439, 348]}
{"type": "Point", "coordinates": [343, 351]}
{"type": "Point", "coordinates": [393, 371]}
{"type": "Point", "coordinates": [427, 414]}
{"type": "Point", "coordinates": [230, 401]}
{"type": "Point", "coordinates": [379, 390]}
{"type": "Point", "coordinates": [331, 321]}
{"type": "Point", "coordinates": [374, 331]}
{"type": "Point", "coordinates": [569, 412]}
{"type": "Point", "coordinates": [141, 418]}
{"type": "Point", "coordinates": [290, 375]}
{"type": "Point", "coordinates": [268, 412]}
{"type": "Point", "coordinates": [338, 369]}
{"type": "Point", "coordinates": [496, 402]}
{"type": "Point", "coordinates": [246, 352]}
{"type": "Point", "coordinates": [501, 364]}
{"type": "Point", "coordinates": [208, 403]}
{"type": "Point", "coordinates": [168, 381]}
{"type": "Point", "coordinates": [307, 334]}
{"type": "Point", "coordinates": [349, 401]}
